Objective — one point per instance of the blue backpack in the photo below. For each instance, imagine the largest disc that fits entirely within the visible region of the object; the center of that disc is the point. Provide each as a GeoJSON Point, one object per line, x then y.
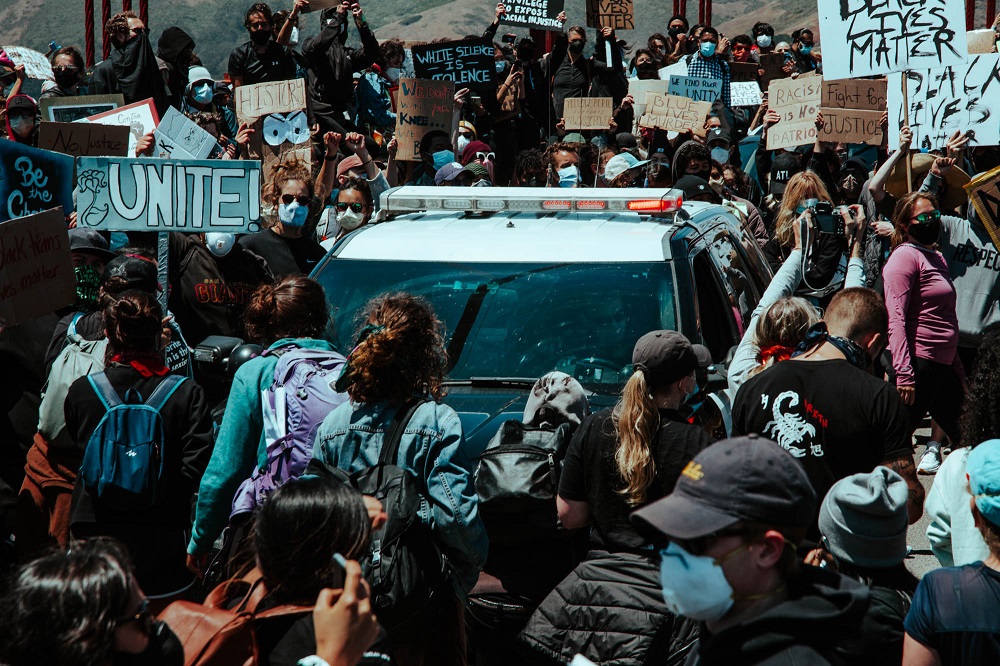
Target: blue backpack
{"type": "Point", "coordinates": [124, 457]}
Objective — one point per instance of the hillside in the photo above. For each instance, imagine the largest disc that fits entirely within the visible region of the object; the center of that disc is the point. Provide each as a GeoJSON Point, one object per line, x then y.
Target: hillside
{"type": "Point", "coordinates": [217, 25]}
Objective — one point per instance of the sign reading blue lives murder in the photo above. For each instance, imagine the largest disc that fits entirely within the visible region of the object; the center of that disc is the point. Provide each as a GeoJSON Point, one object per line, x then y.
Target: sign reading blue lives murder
{"type": "Point", "coordinates": [33, 180]}
{"type": "Point", "coordinates": [468, 63]}
{"type": "Point", "coordinates": [540, 14]}
{"type": "Point", "coordinates": [188, 196]}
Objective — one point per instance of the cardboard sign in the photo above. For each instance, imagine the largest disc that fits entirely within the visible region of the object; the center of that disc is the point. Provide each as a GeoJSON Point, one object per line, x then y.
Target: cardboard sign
{"type": "Point", "coordinates": [797, 101]}
{"type": "Point", "coordinates": [262, 99]}
{"type": "Point", "coordinates": [743, 71]}
{"type": "Point", "coordinates": [773, 65]}
{"type": "Point", "coordinates": [639, 89]}
{"type": "Point", "coordinates": [140, 118]}
{"type": "Point", "coordinates": [423, 106]}
{"type": "Point", "coordinates": [745, 93]}
{"type": "Point", "coordinates": [981, 41]}
{"type": "Point", "coordinates": [180, 138]}
{"type": "Point", "coordinates": [865, 94]}
{"type": "Point", "coordinates": [852, 110]}
{"type": "Point", "coordinates": [679, 68]}
{"type": "Point", "coordinates": [319, 5]}
{"type": "Point", "coordinates": [700, 90]}
{"type": "Point", "coordinates": [81, 139]}
{"type": "Point", "coordinates": [538, 14]}
{"type": "Point", "coordinates": [189, 196]}
{"type": "Point", "coordinates": [277, 113]}
{"type": "Point", "coordinates": [866, 38]}
{"type": "Point", "coordinates": [36, 65]}
{"type": "Point", "coordinates": [36, 271]}
{"type": "Point", "coordinates": [963, 98]}
{"type": "Point", "coordinates": [78, 107]}
{"type": "Point", "coordinates": [984, 192]}
{"type": "Point", "coordinates": [587, 113]}
{"type": "Point", "coordinates": [467, 64]}
{"type": "Point", "coordinates": [675, 114]}
{"type": "Point", "coordinates": [617, 14]}
{"type": "Point", "coordinates": [33, 180]}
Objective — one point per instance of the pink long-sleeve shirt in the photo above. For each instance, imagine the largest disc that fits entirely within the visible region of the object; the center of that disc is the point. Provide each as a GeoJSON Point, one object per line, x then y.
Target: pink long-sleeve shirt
{"type": "Point", "coordinates": [920, 297]}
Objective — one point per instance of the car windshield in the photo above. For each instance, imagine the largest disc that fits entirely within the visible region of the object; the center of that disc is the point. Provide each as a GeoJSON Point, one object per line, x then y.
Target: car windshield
{"type": "Point", "coordinates": [517, 320]}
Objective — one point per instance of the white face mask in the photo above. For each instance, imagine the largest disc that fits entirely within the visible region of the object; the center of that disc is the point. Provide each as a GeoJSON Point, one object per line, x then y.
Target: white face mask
{"type": "Point", "coordinates": [293, 215]}
{"type": "Point", "coordinates": [694, 586]}
{"type": "Point", "coordinates": [202, 93]}
{"type": "Point", "coordinates": [463, 141]}
{"type": "Point", "coordinates": [349, 220]}
{"type": "Point", "coordinates": [21, 126]}
{"type": "Point", "coordinates": [392, 73]}
{"type": "Point", "coordinates": [220, 244]}
{"type": "Point", "coordinates": [763, 41]}
{"type": "Point", "coordinates": [569, 176]}
{"type": "Point", "coordinates": [294, 39]}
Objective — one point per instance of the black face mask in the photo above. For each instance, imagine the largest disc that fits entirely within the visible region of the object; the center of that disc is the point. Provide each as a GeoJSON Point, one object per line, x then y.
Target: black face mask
{"type": "Point", "coordinates": [164, 649]}
{"type": "Point", "coordinates": [67, 79]}
{"type": "Point", "coordinates": [525, 55]}
{"type": "Point", "coordinates": [926, 233]}
{"type": "Point", "coordinates": [260, 37]}
{"type": "Point", "coordinates": [648, 70]}
{"type": "Point", "coordinates": [676, 32]}
{"type": "Point", "coordinates": [576, 47]}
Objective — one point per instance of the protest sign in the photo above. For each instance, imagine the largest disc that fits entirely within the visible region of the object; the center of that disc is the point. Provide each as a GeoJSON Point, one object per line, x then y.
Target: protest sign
{"type": "Point", "coordinates": [868, 37]}
{"type": "Point", "coordinates": [189, 196]}
{"type": "Point", "coordinates": [797, 101]}
{"type": "Point", "coordinates": [318, 5]}
{"type": "Point", "coordinates": [36, 270]}
{"type": "Point", "coordinates": [981, 41]}
{"type": "Point", "coordinates": [745, 93]}
{"type": "Point", "coordinates": [984, 192]}
{"type": "Point", "coordinates": [617, 14]}
{"type": "Point", "coordinates": [180, 138]}
{"type": "Point", "coordinates": [675, 114]}
{"type": "Point", "coordinates": [80, 139]}
{"type": "Point", "coordinates": [36, 65]}
{"type": "Point", "coordinates": [677, 69]}
{"type": "Point", "coordinates": [587, 113]}
{"type": "Point", "coordinates": [538, 14]}
{"type": "Point", "coordinates": [467, 64]}
{"type": "Point", "coordinates": [77, 107]}
{"type": "Point", "coordinates": [33, 180]}
{"type": "Point", "coordinates": [743, 71]}
{"type": "Point", "coordinates": [640, 88]}
{"type": "Point", "coordinates": [963, 98]}
{"type": "Point", "coordinates": [852, 110]}
{"type": "Point", "coordinates": [141, 119]}
{"type": "Point", "coordinates": [700, 90]}
{"type": "Point", "coordinates": [773, 65]}
{"type": "Point", "coordinates": [276, 111]}
{"type": "Point", "coordinates": [423, 106]}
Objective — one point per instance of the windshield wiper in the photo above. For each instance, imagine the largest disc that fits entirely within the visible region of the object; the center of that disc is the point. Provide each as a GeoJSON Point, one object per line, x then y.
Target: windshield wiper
{"type": "Point", "coordinates": [492, 382]}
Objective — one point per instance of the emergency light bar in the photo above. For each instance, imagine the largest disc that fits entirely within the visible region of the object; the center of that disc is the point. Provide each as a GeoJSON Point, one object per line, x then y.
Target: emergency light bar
{"type": "Point", "coordinates": [411, 199]}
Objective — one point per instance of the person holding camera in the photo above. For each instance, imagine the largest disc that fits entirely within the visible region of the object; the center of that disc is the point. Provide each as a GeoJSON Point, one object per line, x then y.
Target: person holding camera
{"type": "Point", "coordinates": [923, 322]}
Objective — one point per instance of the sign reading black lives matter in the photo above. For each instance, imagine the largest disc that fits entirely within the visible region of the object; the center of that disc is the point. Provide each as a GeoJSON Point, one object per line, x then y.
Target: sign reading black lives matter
{"type": "Point", "coordinates": [534, 13]}
{"type": "Point", "coordinates": [871, 37]}
{"type": "Point", "coordinates": [189, 196]}
{"type": "Point", "coordinates": [468, 63]}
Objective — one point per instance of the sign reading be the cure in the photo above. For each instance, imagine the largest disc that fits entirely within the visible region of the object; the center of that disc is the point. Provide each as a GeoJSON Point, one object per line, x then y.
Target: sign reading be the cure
{"type": "Point", "coordinates": [33, 180]}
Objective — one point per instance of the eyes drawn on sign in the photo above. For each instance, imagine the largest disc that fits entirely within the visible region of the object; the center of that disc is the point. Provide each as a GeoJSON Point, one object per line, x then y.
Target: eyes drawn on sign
{"type": "Point", "coordinates": [282, 127]}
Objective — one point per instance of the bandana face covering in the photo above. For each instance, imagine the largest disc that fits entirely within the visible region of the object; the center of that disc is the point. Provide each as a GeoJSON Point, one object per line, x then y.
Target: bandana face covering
{"type": "Point", "coordinates": [88, 281]}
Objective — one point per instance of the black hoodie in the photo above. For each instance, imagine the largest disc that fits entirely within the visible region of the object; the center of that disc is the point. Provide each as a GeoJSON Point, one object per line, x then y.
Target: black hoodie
{"type": "Point", "coordinates": [820, 623]}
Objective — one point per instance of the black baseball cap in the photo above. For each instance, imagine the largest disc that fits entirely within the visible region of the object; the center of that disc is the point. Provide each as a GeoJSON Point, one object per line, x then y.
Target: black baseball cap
{"type": "Point", "coordinates": [783, 167]}
{"type": "Point", "coordinates": [665, 356]}
{"type": "Point", "coordinates": [695, 186]}
{"type": "Point", "coordinates": [748, 479]}
{"type": "Point", "coordinates": [717, 135]}
{"type": "Point", "coordinates": [88, 241]}
{"type": "Point", "coordinates": [132, 272]}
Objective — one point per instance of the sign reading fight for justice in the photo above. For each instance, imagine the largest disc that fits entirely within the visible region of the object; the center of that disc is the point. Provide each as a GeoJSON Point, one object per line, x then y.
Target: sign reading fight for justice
{"type": "Point", "coordinates": [467, 64]}
{"type": "Point", "coordinates": [189, 196]}
{"type": "Point", "coordinates": [852, 111]}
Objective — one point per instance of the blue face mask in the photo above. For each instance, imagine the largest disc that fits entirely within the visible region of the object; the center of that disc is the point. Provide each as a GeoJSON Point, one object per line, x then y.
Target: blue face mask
{"type": "Point", "coordinates": [441, 158]}
{"type": "Point", "coordinates": [569, 176]}
{"type": "Point", "coordinates": [720, 154]}
{"type": "Point", "coordinates": [203, 93]}
{"type": "Point", "coordinates": [293, 215]}
{"type": "Point", "coordinates": [707, 49]}
{"type": "Point", "coordinates": [805, 50]}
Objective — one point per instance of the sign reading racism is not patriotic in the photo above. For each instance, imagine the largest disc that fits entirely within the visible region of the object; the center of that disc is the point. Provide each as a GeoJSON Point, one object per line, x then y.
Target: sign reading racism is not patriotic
{"type": "Point", "coordinates": [797, 102]}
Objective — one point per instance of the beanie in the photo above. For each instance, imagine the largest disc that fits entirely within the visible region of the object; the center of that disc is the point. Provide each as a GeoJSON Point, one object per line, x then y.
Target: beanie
{"type": "Point", "coordinates": [864, 519]}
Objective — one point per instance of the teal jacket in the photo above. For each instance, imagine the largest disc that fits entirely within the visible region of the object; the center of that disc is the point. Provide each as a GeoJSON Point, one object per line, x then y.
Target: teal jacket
{"type": "Point", "coordinates": [240, 446]}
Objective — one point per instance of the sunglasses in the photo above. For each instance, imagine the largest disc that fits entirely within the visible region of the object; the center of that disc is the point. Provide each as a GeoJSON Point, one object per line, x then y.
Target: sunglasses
{"type": "Point", "coordinates": [20, 113]}
{"type": "Point", "coordinates": [142, 616]}
{"type": "Point", "coordinates": [486, 157]}
{"type": "Point", "coordinates": [924, 218]}
{"type": "Point", "coordinates": [65, 68]}
{"type": "Point", "coordinates": [287, 199]}
{"type": "Point", "coordinates": [356, 207]}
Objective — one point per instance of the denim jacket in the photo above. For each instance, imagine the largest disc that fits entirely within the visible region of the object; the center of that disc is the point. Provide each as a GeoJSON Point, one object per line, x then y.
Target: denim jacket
{"type": "Point", "coordinates": [433, 449]}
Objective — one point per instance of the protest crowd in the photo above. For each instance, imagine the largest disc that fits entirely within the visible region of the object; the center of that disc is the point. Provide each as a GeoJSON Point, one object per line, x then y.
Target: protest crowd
{"type": "Point", "coordinates": [316, 501]}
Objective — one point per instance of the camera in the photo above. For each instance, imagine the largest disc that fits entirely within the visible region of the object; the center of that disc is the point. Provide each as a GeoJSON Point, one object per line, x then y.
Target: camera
{"type": "Point", "coordinates": [830, 220]}
{"type": "Point", "coordinates": [510, 38]}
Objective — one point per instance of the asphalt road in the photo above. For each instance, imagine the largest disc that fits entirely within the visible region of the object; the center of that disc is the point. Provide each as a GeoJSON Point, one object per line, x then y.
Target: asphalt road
{"type": "Point", "coordinates": [920, 560]}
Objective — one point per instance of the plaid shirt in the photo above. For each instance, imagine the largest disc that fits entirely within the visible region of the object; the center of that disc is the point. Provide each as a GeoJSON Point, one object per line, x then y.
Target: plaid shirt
{"type": "Point", "coordinates": [711, 68]}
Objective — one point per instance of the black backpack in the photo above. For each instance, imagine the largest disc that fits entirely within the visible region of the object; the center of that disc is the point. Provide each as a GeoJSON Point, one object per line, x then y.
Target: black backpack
{"type": "Point", "coordinates": [517, 480]}
{"type": "Point", "coordinates": [408, 574]}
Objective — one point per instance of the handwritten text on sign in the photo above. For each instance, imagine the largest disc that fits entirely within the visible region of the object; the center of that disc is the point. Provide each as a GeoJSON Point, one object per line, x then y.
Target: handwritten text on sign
{"type": "Point", "coordinates": [948, 99]}
{"type": "Point", "coordinates": [423, 107]}
{"type": "Point", "coordinates": [467, 64]}
{"type": "Point", "coordinates": [141, 119]}
{"type": "Point", "coordinates": [261, 99]}
{"type": "Point", "coordinates": [797, 102]}
{"type": "Point", "coordinates": [79, 139]}
{"type": "Point", "coordinates": [191, 196]}
{"type": "Point", "coordinates": [33, 180]}
{"type": "Point", "coordinates": [617, 14]}
{"type": "Point", "coordinates": [534, 13]}
{"type": "Point", "coordinates": [867, 37]}
{"type": "Point", "coordinates": [587, 113]}
{"type": "Point", "coordinates": [675, 114]}
{"type": "Point", "coordinates": [700, 90]}
{"type": "Point", "coordinates": [745, 93]}
{"type": "Point", "coordinates": [36, 271]}
{"type": "Point", "coordinates": [180, 138]}
{"type": "Point", "coordinates": [984, 192]}
{"type": "Point", "coordinates": [852, 111]}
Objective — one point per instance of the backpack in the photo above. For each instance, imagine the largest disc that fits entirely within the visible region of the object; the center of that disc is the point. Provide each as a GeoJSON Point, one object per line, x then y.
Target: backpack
{"type": "Point", "coordinates": [407, 572]}
{"type": "Point", "coordinates": [212, 635]}
{"type": "Point", "coordinates": [123, 461]}
{"type": "Point", "coordinates": [301, 396]}
{"type": "Point", "coordinates": [517, 480]}
{"type": "Point", "coordinates": [78, 359]}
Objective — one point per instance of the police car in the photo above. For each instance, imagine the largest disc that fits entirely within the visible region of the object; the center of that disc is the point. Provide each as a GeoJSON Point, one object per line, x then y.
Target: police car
{"type": "Point", "coordinates": [529, 280]}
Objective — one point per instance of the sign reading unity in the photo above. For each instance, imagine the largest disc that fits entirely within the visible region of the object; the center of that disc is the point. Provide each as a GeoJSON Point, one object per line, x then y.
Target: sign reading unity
{"type": "Point", "coordinates": [190, 196]}
{"type": "Point", "coordinates": [797, 101]}
{"type": "Point", "coordinates": [698, 89]}
{"type": "Point", "coordinates": [467, 64]}
{"type": "Point", "coordinates": [964, 98]}
{"type": "Point", "coordinates": [33, 180]}
{"type": "Point", "coordinates": [871, 37]}
{"type": "Point", "coordinates": [422, 107]}
{"type": "Point", "coordinates": [36, 271]}
{"type": "Point", "coordinates": [538, 14]}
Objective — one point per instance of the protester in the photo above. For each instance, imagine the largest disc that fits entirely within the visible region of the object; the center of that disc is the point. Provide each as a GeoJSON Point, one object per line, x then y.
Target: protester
{"type": "Point", "coordinates": [175, 49]}
{"type": "Point", "coordinates": [375, 90]}
{"type": "Point", "coordinates": [198, 96]}
{"type": "Point", "coordinates": [354, 206]}
{"type": "Point", "coordinates": [22, 120]}
{"type": "Point", "coordinates": [709, 63]}
{"type": "Point", "coordinates": [67, 69]}
{"type": "Point", "coordinates": [132, 68]}
{"type": "Point", "coordinates": [802, 52]}
{"type": "Point", "coordinates": [260, 59]}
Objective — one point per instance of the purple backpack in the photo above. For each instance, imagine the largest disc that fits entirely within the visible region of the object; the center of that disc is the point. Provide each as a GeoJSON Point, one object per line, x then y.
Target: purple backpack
{"type": "Point", "coordinates": [294, 407]}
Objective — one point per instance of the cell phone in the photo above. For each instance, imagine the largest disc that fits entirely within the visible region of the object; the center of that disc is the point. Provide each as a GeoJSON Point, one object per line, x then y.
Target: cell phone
{"type": "Point", "coordinates": [339, 577]}
{"type": "Point", "coordinates": [517, 66]}
{"type": "Point", "coordinates": [509, 38]}
{"type": "Point", "coordinates": [475, 99]}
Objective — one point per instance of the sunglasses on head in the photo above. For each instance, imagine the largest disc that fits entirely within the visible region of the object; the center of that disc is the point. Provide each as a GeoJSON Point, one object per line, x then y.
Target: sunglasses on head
{"type": "Point", "coordinates": [287, 199]}
{"type": "Point", "coordinates": [924, 218]}
{"type": "Point", "coordinates": [486, 157]}
{"type": "Point", "coordinates": [356, 207]}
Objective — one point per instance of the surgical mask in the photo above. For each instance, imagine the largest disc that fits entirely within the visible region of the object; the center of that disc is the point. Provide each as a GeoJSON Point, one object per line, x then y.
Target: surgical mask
{"type": "Point", "coordinates": [22, 126]}
{"type": "Point", "coordinates": [720, 155]}
{"type": "Point", "coordinates": [350, 220]}
{"type": "Point", "coordinates": [463, 141]}
{"type": "Point", "coordinates": [294, 39]}
{"type": "Point", "coordinates": [805, 50]}
{"type": "Point", "coordinates": [707, 49]}
{"type": "Point", "coordinates": [293, 215]}
{"type": "Point", "coordinates": [260, 37]}
{"type": "Point", "coordinates": [220, 244]}
{"type": "Point", "coordinates": [203, 93]}
{"type": "Point", "coordinates": [576, 47]}
{"type": "Point", "coordinates": [569, 176]}
{"type": "Point", "coordinates": [689, 397]}
{"type": "Point", "coordinates": [88, 281]}
{"type": "Point", "coordinates": [500, 65]}
{"type": "Point", "coordinates": [695, 586]}
{"type": "Point", "coordinates": [392, 73]}
{"type": "Point", "coordinates": [442, 157]}
{"type": "Point", "coordinates": [764, 41]}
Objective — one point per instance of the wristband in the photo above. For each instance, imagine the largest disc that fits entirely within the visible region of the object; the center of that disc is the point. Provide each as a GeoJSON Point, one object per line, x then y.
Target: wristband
{"type": "Point", "coordinates": [331, 159]}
